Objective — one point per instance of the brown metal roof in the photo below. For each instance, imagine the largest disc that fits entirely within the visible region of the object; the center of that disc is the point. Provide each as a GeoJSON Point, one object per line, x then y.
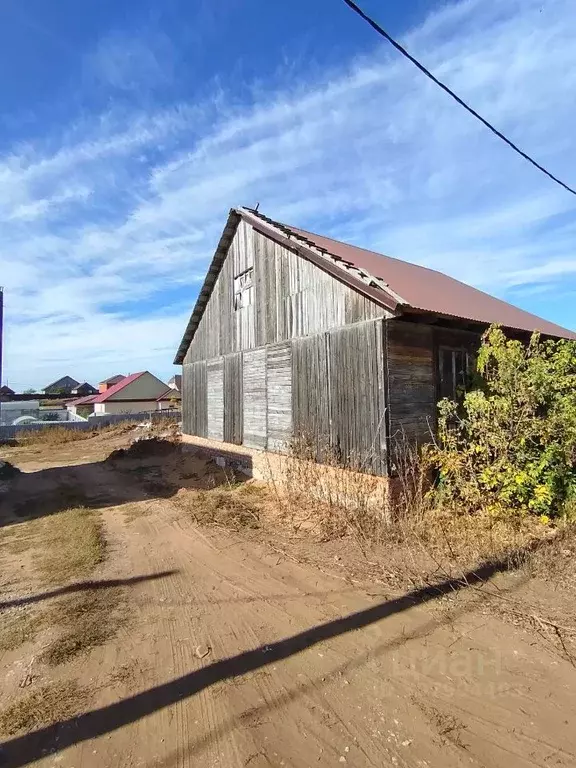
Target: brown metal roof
{"type": "Point", "coordinates": [397, 285]}
{"type": "Point", "coordinates": [423, 289]}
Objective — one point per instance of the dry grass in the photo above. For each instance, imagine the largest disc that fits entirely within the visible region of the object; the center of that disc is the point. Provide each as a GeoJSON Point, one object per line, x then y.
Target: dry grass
{"type": "Point", "coordinates": [68, 546]}
{"type": "Point", "coordinates": [315, 492]}
{"type": "Point", "coordinates": [19, 627]}
{"type": "Point", "coordinates": [403, 532]}
{"type": "Point", "coordinates": [18, 538]}
{"type": "Point", "coordinates": [85, 621]}
{"type": "Point", "coordinates": [50, 704]}
{"type": "Point", "coordinates": [73, 545]}
{"type": "Point", "coordinates": [63, 435]}
{"type": "Point", "coordinates": [231, 507]}
{"type": "Point", "coordinates": [54, 436]}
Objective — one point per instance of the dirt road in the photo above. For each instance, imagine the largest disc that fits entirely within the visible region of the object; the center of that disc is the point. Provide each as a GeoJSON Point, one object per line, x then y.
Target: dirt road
{"type": "Point", "coordinates": [235, 655]}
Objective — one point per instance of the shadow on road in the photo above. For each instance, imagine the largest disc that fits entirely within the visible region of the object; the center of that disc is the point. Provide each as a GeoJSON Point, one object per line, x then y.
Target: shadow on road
{"type": "Point", "coordinates": [22, 750]}
{"type": "Point", "coordinates": [83, 586]}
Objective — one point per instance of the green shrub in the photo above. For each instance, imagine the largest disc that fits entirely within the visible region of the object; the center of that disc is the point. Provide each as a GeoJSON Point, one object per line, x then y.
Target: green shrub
{"type": "Point", "coordinates": [510, 446]}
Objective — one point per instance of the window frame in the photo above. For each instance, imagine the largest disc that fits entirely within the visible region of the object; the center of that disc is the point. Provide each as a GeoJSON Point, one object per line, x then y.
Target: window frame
{"type": "Point", "coordinates": [455, 384]}
{"type": "Point", "coordinates": [243, 289]}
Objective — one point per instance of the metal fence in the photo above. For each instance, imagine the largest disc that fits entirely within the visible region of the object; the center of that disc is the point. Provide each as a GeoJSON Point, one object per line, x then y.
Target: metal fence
{"type": "Point", "coordinates": [13, 431]}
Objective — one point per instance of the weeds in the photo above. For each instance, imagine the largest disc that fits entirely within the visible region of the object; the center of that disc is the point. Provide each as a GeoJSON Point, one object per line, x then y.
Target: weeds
{"type": "Point", "coordinates": [72, 546]}
{"type": "Point", "coordinates": [17, 628]}
{"type": "Point", "coordinates": [55, 436]}
{"type": "Point", "coordinates": [63, 435]}
{"type": "Point", "coordinates": [315, 492]}
{"type": "Point", "coordinates": [84, 621]}
{"type": "Point", "coordinates": [230, 508]}
{"type": "Point", "coordinates": [50, 704]}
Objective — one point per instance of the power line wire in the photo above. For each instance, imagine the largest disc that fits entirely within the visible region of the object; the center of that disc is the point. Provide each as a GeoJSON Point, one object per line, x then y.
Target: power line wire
{"type": "Point", "coordinates": [351, 4]}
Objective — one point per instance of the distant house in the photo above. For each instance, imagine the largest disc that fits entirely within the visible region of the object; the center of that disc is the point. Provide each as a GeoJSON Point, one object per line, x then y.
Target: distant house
{"type": "Point", "coordinates": [176, 382]}
{"type": "Point", "coordinates": [82, 390]}
{"type": "Point", "coordinates": [7, 391]}
{"type": "Point", "coordinates": [169, 401]}
{"type": "Point", "coordinates": [298, 335]}
{"type": "Point", "coordinates": [136, 393]}
{"type": "Point", "coordinates": [63, 386]}
{"type": "Point", "coordinates": [105, 385]}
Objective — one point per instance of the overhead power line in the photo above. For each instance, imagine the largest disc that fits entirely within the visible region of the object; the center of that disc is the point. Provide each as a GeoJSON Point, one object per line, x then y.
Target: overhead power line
{"type": "Point", "coordinates": [450, 92]}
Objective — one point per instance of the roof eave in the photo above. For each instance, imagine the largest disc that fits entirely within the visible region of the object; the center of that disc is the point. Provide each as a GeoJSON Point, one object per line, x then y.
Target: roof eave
{"type": "Point", "coordinates": [209, 283]}
{"type": "Point", "coordinates": [362, 282]}
{"type": "Point", "coordinates": [480, 325]}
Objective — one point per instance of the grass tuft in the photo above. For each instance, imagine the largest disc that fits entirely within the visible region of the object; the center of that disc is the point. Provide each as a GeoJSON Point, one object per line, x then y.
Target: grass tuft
{"type": "Point", "coordinates": [85, 621]}
{"type": "Point", "coordinates": [227, 508]}
{"type": "Point", "coordinates": [72, 546]}
{"type": "Point", "coordinates": [50, 704]}
{"type": "Point", "coordinates": [17, 628]}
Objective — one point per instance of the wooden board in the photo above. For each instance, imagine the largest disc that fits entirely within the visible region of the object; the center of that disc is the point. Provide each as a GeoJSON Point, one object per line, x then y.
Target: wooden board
{"type": "Point", "coordinates": [233, 417]}
{"type": "Point", "coordinates": [357, 396]}
{"type": "Point", "coordinates": [215, 399]}
{"type": "Point", "coordinates": [291, 297]}
{"type": "Point", "coordinates": [310, 411]}
{"type": "Point", "coordinates": [194, 399]}
{"type": "Point", "coordinates": [411, 381]}
{"type": "Point", "coordinates": [254, 398]}
{"type": "Point", "coordinates": [279, 395]}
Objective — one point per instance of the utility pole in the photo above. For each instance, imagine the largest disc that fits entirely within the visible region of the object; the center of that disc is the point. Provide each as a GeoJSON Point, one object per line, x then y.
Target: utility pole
{"type": "Point", "coordinates": [1, 340]}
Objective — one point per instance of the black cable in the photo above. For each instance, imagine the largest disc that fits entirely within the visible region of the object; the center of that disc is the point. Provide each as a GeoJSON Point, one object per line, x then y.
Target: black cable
{"type": "Point", "coordinates": [444, 87]}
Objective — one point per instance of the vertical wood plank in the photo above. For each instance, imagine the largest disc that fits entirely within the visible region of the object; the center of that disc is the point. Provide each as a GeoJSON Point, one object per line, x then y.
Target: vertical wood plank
{"type": "Point", "coordinates": [411, 381]}
{"type": "Point", "coordinates": [215, 399]}
{"type": "Point", "coordinates": [310, 411]}
{"type": "Point", "coordinates": [279, 395]}
{"type": "Point", "coordinates": [194, 399]}
{"type": "Point", "coordinates": [356, 385]}
{"type": "Point", "coordinates": [233, 417]}
{"type": "Point", "coordinates": [254, 395]}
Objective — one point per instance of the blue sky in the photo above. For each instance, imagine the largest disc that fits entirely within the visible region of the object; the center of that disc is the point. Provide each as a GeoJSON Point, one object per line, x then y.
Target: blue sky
{"type": "Point", "coordinates": [129, 128]}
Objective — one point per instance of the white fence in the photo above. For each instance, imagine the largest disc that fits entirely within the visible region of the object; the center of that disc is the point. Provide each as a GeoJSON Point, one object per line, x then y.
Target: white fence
{"type": "Point", "coordinates": [12, 432]}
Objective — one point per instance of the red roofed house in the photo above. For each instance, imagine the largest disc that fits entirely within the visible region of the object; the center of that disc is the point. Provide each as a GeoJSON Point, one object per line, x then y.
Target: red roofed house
{"type": "Point", "coordinates": [108, 383]}
{"type": "Point", "coordinates": [137, 393]}
{"type": "Point", "coordinates": [295, 334]}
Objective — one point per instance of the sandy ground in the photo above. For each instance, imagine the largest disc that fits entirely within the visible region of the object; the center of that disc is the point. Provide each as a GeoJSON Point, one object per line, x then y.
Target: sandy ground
{"type": "Point", "coordinates": [235, 655]}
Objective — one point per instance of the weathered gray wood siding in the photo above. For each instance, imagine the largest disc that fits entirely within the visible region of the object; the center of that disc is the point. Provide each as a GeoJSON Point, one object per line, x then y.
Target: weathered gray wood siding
{"type": "Point", "coordinates": [279, 395]}
{"type": "Point", "coordinates": [310, 408]}
{"type": "Point", "coordinates": [411, 354]}
{"type": "Point", "coordinates": [411, 381]}
{"type": "Point", "coordinates": [233, 411]}
{"type": "Point", "coordinates": [357, 396]}
{"type": "Point", "coordinates": [292, 297]}
{"type": "Point", "coordinates": [215, 399]}
{"type": "Point", "coordinates": [255, 405]}
{"type": "Point", "coordinates": [305, 357]}
{"type": "Point", "coordinates": [194, 399]}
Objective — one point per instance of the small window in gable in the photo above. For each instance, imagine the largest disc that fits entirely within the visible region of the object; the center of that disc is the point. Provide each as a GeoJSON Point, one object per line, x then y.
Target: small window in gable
{"type": "Point", "coordinates": [243, 289]}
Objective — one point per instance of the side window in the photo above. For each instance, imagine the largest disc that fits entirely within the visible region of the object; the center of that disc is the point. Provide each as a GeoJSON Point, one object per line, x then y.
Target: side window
{"type": "Point", "coordinates": [454, 366]}
{"type": "Point", "coordinates": [243, 289]}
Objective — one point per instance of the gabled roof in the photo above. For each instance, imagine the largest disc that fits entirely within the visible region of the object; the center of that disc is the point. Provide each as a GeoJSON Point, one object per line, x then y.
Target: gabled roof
{"type": "Point", "coordinates": [126, 380]}
{"type": "Point", "coordinates": [86, 384]}
{"type": "Point", "coordinates": [65, 381]}
{"type": "Point", "coordinates": [397, 285]}
{"type": "Point", "coordinates": [113, 379]}
{"type": "Point", "coordinates": [170, 394]}
{"type": "Point", "coordinates": [82, 400]}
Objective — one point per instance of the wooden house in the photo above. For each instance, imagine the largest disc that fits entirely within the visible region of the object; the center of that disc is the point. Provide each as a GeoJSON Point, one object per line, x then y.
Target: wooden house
{"type": "Point", "coordinates": [295, 334]}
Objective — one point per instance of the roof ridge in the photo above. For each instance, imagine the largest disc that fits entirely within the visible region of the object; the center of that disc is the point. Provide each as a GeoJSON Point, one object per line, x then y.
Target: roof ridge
{"type": "Point", "coordinates": [349, 267]}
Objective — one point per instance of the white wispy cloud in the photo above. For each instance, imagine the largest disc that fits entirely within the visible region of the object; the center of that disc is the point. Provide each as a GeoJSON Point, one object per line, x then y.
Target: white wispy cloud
{"type": "Point", "coordinates": [107, 229]}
